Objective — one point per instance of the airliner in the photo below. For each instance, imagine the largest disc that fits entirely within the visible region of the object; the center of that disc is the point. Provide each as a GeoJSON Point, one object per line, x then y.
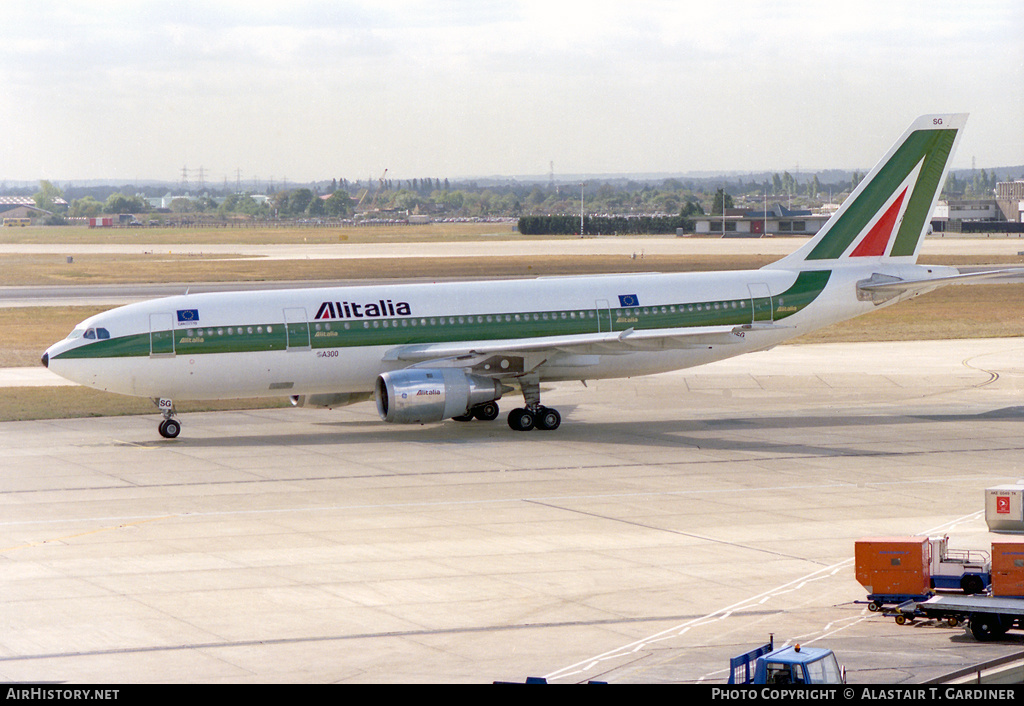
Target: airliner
{"type": "Point", "coordinates": [431, 352]}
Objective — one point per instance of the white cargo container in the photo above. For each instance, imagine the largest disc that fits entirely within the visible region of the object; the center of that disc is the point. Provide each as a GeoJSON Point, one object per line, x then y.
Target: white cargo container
{"type": "Point", "coordinates": [1004, 508]}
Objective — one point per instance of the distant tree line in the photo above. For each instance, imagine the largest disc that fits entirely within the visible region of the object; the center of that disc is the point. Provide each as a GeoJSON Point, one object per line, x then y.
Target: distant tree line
{"type": "Point", "coordinates": [979, 185]}
{"type": "Point", "coordinates": [612, 205]}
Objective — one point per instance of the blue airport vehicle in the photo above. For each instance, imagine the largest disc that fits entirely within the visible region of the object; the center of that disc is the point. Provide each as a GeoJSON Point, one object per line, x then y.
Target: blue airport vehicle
{"type": "Point", "coordinates": [786, 665]}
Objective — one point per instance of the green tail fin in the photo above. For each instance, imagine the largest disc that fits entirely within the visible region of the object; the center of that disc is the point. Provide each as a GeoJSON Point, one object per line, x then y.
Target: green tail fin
{"type": "Point", "coordinates": [887, 215]}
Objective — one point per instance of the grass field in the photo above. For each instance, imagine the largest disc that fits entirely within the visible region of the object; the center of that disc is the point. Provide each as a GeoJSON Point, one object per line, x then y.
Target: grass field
{"type": "Point", "coordinates": [951, 312]}
{"type": "Point", "coordinates": [263, 235]}
{"type": "Point", "coordinates": [135, 269]}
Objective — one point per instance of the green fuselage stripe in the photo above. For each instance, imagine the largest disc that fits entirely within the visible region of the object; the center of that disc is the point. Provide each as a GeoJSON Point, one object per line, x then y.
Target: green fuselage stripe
{"type": "Point", "coordinates": [411, 330]}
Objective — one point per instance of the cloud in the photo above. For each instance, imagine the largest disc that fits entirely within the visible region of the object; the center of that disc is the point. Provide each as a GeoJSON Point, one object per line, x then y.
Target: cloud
{"type": "Point", "coordinates": [454, 88]}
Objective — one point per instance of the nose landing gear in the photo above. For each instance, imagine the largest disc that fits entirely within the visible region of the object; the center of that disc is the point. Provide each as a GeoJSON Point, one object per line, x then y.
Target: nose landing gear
{"type": "Point", "coordinates": [170, 427]}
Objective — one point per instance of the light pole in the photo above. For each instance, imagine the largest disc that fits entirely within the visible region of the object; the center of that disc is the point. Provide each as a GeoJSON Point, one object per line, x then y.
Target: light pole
{"type": "Point", "coordinates": [582, 186]}
{"type": "Point", "coordinates": [723, 211]}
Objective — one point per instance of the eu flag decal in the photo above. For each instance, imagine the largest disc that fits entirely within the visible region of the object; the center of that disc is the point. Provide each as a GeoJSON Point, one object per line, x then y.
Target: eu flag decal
{"type": "Point", "coordinates": [628, 300]}
{"type": "Point", "coordinates": [188, 316]}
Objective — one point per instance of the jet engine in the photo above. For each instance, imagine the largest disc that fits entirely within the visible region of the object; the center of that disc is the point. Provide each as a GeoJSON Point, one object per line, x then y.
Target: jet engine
{"type": "Point", "coordinates": [420, 396]}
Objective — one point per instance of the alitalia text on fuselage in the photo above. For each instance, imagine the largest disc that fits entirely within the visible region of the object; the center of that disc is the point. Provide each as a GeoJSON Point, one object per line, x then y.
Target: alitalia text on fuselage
{"type": "Point", "coordinates": [367, 310]}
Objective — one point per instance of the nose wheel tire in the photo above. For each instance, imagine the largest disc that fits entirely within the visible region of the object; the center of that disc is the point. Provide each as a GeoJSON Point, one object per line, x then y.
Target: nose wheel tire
{"type": "Point", "coordinates": [169, 429]}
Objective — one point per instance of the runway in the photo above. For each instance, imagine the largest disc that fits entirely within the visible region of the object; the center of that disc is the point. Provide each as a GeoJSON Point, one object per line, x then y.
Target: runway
{"type": "Point", "coordinates": [672, 522]}
{"type": "Point", "coordinates": [508, 243]}
{"type": "Point", "coordinates": [980, 248]}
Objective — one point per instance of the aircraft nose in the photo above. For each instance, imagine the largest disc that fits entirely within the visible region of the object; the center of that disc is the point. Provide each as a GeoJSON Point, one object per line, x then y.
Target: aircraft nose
{"type": "Point", "coordinates": [46, 360]}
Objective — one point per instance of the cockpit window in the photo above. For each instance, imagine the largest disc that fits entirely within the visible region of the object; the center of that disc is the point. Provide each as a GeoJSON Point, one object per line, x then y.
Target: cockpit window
{"type": "Point", "coordinates": [94, 334]}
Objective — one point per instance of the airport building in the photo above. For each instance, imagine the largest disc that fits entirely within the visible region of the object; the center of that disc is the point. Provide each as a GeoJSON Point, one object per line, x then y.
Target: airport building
{"type": "Point", "coordinates": [1004, 213]}
{"type": "Point", "coordinates": [778, 220]}
{"type": "Point", "coordinates": [967, 210]}
{"type": "Point", "coordinates": [952, 215]}
{"type": "Point", "coordinates": [1010, 200]}
{"type": "Point", "coordinates": [15, 209]}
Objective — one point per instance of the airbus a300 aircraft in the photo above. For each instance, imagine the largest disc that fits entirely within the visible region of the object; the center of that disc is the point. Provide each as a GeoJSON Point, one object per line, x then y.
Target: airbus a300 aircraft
{"type": "Point", "coordinates": [429, 352]}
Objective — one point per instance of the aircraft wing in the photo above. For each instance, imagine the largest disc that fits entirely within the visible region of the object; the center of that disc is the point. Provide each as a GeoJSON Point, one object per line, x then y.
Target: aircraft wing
{"type": "Point", "coordinates": [606, 343]}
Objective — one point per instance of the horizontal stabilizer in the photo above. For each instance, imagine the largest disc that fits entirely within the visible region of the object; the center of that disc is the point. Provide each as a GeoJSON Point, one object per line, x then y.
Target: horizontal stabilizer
{"type": "Point", "coordinates": [903, 285]}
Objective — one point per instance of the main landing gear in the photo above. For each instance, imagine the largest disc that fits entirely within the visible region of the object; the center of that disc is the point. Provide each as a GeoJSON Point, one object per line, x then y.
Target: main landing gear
{"type": "Point", "coordinates": [170, 427]}
{"type": "Point", "coordinates": [486, 412]}
{"type": "Point", "coordinates": [525, 419]}
{"type": "Point", "coordinates": [534, 415]}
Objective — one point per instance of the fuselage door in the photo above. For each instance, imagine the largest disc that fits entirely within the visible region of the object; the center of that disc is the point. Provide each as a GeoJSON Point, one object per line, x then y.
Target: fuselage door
{"type": "Point", "coordinates": [604, 316]}
{"type": "Point", "coordinates": [161, 334]}
{"type": "Point", "coordinates": [761, 302]}
{"type": "Point", "coordinates": [296, 328]}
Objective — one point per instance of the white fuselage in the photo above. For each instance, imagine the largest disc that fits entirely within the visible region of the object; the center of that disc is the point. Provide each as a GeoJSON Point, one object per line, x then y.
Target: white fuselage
{"type": "Point", "coordinates": [337, 340]}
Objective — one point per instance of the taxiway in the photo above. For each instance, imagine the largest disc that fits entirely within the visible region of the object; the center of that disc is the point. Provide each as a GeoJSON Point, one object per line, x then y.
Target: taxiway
{"type": "Point", "coordinates": [671, 522]}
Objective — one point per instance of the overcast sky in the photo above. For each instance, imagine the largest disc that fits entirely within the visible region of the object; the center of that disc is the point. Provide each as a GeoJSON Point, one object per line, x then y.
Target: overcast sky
{"type": "Point", "coordinates": [317, 90]}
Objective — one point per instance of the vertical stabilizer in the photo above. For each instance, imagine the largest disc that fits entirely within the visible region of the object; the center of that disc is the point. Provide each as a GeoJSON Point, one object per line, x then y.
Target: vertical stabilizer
{"type": "Point", "coordinates": [887, 215]}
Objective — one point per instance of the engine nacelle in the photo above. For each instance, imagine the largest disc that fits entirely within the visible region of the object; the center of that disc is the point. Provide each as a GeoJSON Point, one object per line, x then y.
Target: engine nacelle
{"type": "Point", "coordinates": [421, 396]}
